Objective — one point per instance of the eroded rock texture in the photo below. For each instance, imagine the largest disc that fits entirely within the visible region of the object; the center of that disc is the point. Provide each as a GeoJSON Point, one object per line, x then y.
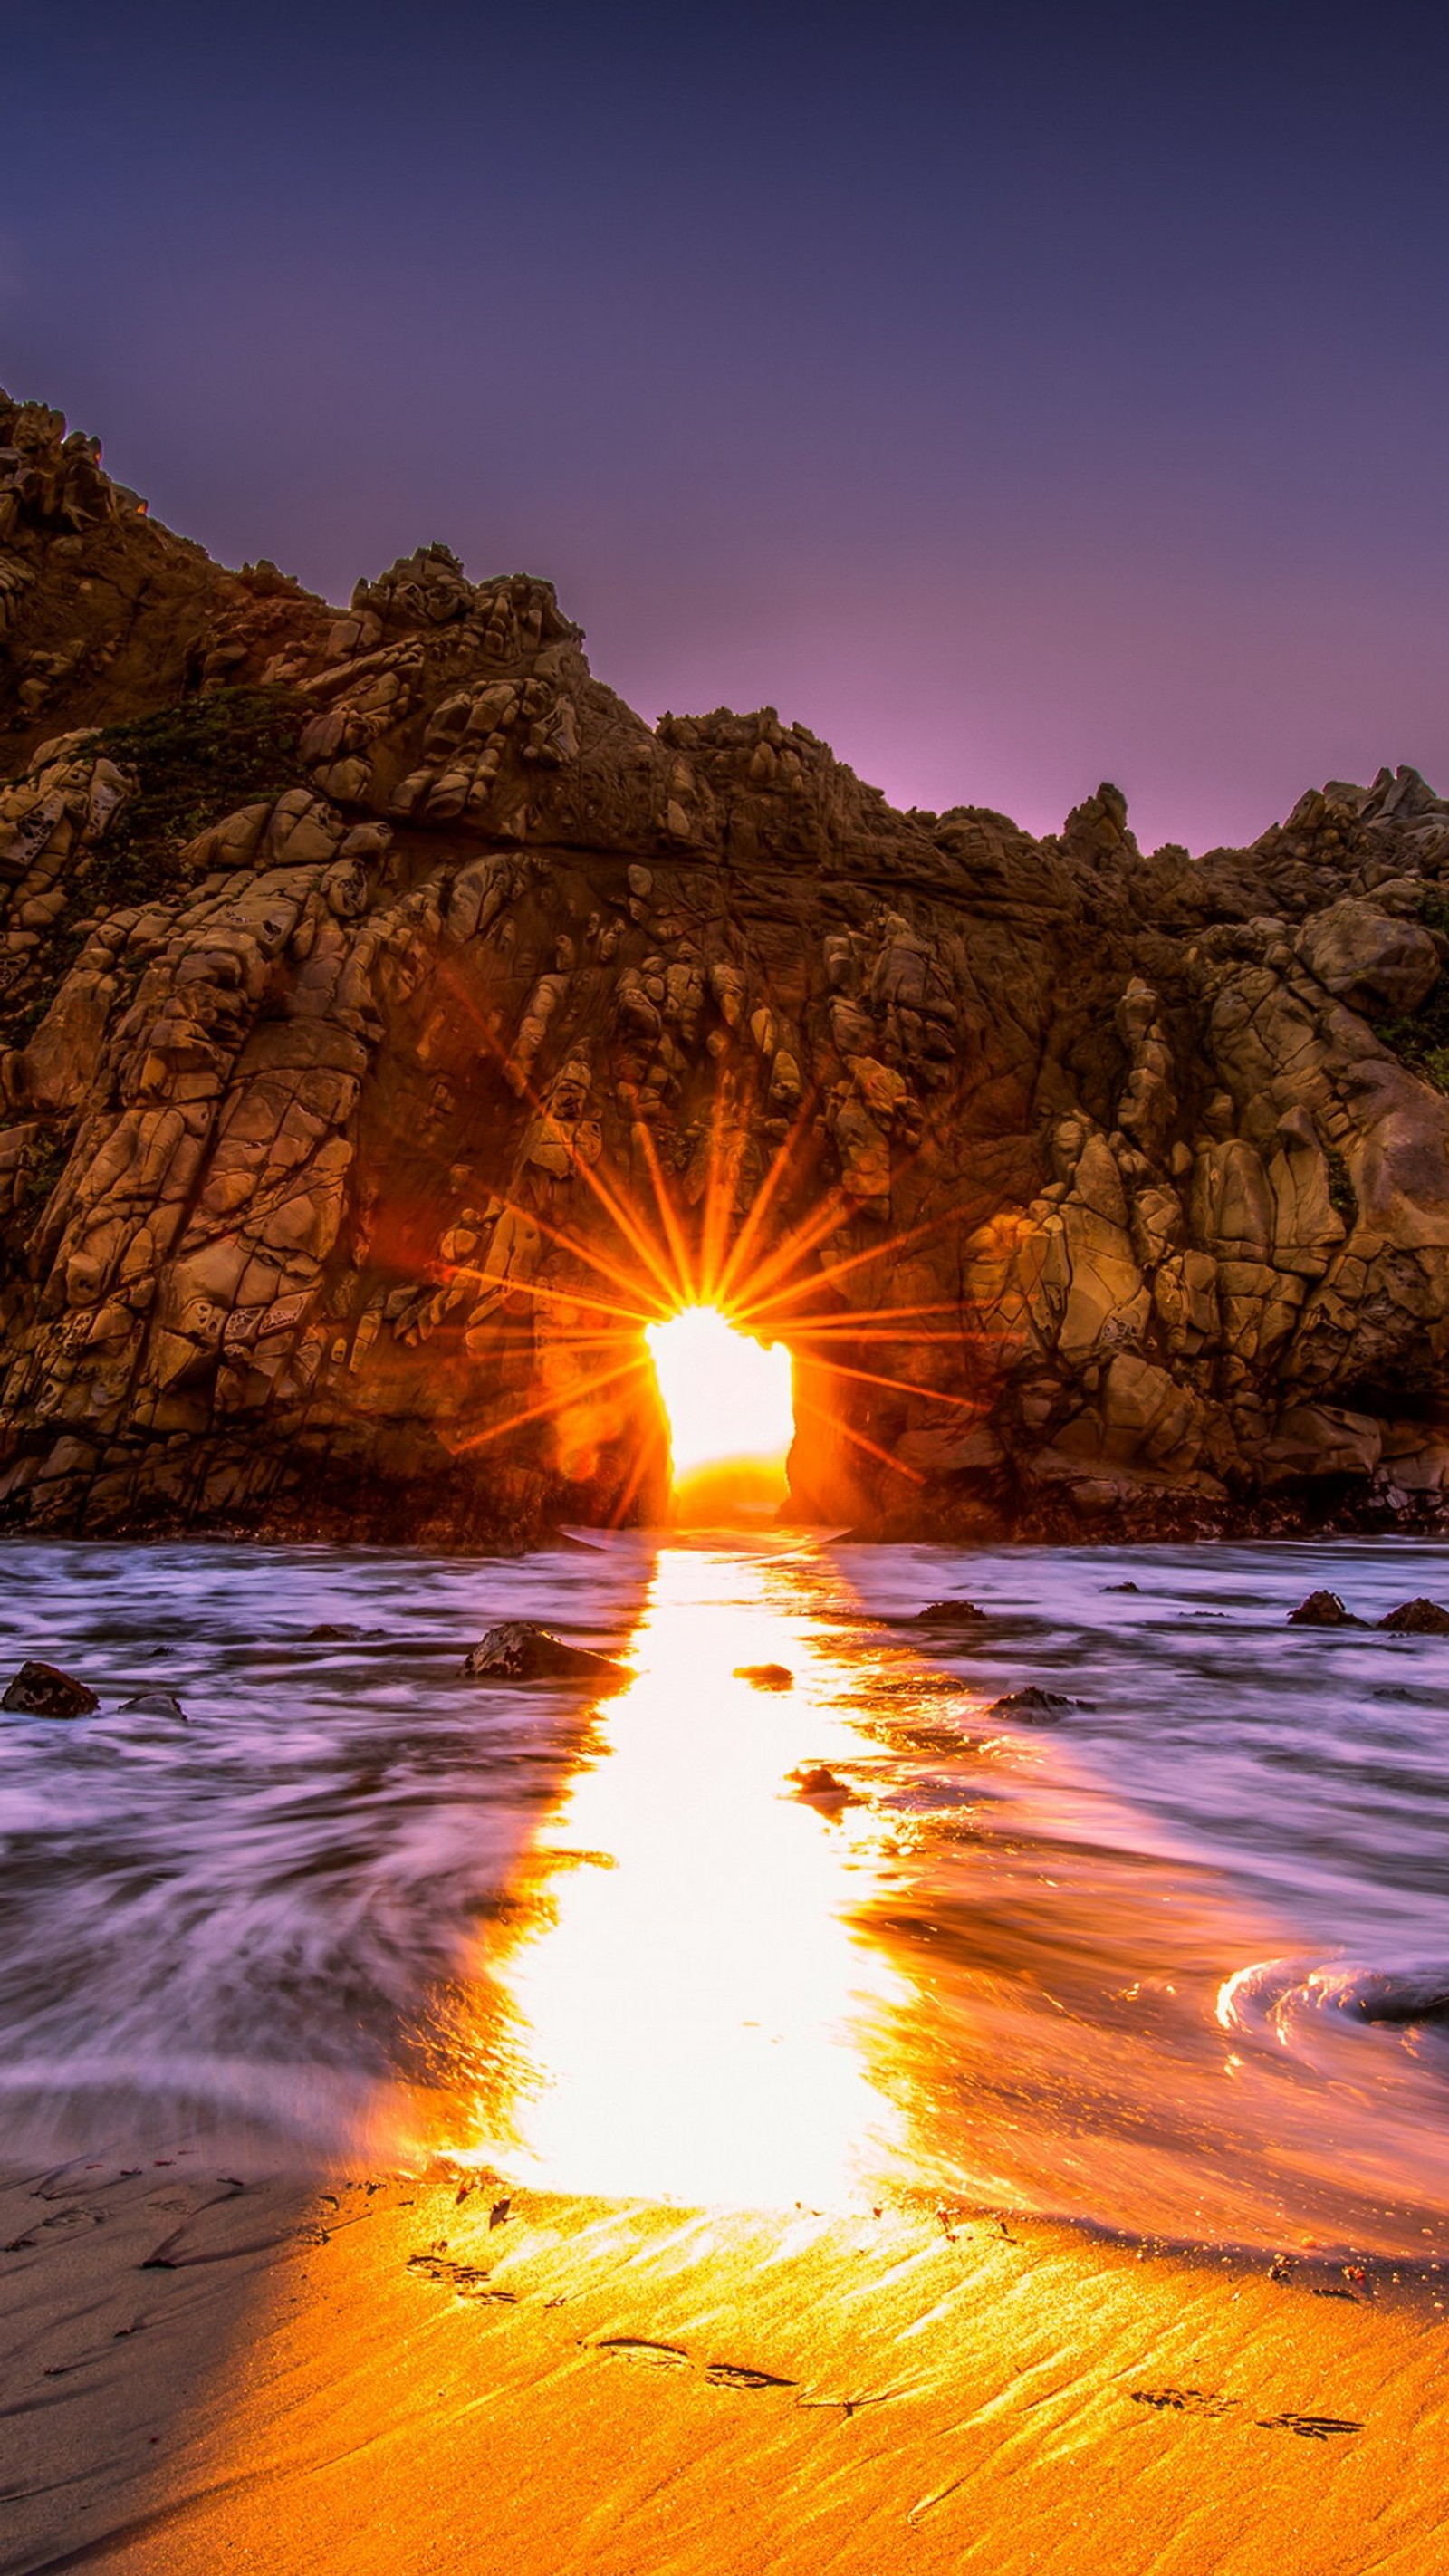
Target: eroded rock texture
{"type": "Point", "coordinates": [391, 1017]}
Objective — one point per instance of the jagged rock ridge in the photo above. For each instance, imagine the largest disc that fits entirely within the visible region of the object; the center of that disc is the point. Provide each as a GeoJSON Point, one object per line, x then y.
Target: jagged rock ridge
{"type": "Point", "coordinates": [370, 980]}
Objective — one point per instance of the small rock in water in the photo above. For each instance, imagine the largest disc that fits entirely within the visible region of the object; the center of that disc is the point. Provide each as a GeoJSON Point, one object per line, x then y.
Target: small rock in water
{"type": "Point", "coordinates": [1414, 1995]}
{"type": "Point", "coordinates": [765, 1676]}
{"type": "Point", "coordinates": [331, 1628]}
{"type": "Point", "coordinates": [1034, 1703]}
{"type": "Point", "coordinates": [948, 1614]}
{"type": "Point", "coordinates": [1121, 1587]}
{"type": "Point", "coordinates": [155, 1703]}
{"type": "Point", "coordinates": [517, 1651]}
{"type": "Point", "coordinates": [1324, 1610]}
{"type": "Point", "coordinates": [1419, 1618]}
{"type": "Point", "coordinates": [814, 1780]}
{"type": "Point", "coordinates": [43, 1690]}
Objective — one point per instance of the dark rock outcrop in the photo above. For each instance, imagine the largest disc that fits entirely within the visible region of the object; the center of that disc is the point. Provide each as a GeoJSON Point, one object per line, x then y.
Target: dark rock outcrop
{"type": "Point", "coordinates": [1034, 1705]}
{"type": "Point", "coordinates": [1418, 1618]}
{"type": "Point", "coordinates": [817, 1785]}
{"type": "Point", "coordinates": [1324, 1610]}
{"type": "Point", "coordinates": [391, 1023]}
{"type": "Point", "coordinates": [43, 1690]}
{"type": "Point", "coordinates": [518, 1651]}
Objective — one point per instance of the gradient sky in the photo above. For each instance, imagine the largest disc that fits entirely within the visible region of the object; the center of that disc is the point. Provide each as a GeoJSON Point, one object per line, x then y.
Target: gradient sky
{"type": "Point", "coordinates": [1015, 404]}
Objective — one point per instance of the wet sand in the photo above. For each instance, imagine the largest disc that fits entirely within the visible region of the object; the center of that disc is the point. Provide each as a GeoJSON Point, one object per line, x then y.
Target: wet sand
{"type": "Point", "coordinates": [204, 2374]}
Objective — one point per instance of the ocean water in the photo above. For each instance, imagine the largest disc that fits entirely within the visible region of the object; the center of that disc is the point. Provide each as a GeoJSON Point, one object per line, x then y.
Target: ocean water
{"type": "Point", "coordinates": [1170, 1958]}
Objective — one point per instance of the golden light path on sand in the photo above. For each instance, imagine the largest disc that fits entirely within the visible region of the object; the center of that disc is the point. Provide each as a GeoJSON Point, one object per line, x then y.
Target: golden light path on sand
{"type": "Point", "coordinates": [691, 2017]}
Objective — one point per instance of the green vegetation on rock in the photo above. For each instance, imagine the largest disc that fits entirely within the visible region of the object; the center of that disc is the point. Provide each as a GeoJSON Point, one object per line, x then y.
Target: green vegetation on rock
{"type": "Point", "coordinates": [1342, 1195]}
{"type": "Point", "coordinates": [192, 763]}
{"type": "Point", "coordinates": [47, 1160]}
{"type": "Point", "coordinates": [1421, 1038]}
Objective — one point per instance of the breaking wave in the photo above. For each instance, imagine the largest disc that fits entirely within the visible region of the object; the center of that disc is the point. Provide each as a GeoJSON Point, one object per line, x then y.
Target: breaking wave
{"type": "Point", "coordinates": [1291, 2000]}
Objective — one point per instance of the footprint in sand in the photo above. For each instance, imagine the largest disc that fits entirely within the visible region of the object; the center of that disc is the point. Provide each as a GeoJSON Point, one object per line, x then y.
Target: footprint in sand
{"type": "Point", "coordinates": [1208, 2401]}
{"type": "Point", "coordinates": [1186, 2401]}
{"type": "Point", "coordinates": [847, 2406]}
{"type": "Point", "coordinates": [736, 2374]}
{"type": "Point", "coordinates": [465, 2280]}
{"type": "Point", "coordinates": [672, 2356]}
{"type": "Point", "coordinates": [1312, 2428]}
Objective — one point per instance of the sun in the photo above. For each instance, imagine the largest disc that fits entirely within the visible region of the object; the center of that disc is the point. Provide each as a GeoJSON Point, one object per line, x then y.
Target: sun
{"type": "Point", "coordinates": [729, 1400]}
{"type": "Point", "coordinates": [629, 1297]}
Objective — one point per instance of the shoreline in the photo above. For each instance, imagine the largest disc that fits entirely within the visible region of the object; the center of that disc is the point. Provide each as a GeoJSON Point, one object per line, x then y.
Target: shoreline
{"type": "Point", "coordinates": [429, 2374]}
{"type": "Point", "coordinates": [1172, 1521]}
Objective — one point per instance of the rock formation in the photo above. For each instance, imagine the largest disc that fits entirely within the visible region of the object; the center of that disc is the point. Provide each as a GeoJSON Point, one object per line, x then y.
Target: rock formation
{"type": "Point", "coordinates": [393, 1023]}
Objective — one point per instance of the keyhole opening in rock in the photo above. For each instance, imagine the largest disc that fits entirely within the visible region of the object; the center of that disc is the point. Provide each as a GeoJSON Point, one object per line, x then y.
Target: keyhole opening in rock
{"type": "Point", "coordinates": [729, 1402]}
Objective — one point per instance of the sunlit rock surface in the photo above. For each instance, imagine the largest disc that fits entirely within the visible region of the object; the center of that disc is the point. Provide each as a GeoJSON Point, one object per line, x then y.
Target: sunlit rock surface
{"type": "Point", "coordinates": [395, 1024]}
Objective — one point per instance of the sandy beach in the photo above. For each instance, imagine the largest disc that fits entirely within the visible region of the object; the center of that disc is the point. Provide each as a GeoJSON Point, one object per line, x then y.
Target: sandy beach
{"type": "Point", "coordinates": [205, 2373]}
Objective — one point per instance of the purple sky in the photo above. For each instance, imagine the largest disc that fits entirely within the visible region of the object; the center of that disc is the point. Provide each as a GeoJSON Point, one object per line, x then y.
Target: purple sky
{"type": "Point", "coordinates": [1015, 405]}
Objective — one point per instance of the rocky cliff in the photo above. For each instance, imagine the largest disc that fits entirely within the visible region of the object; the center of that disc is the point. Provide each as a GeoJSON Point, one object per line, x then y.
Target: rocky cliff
{"type": "Point", "coordinates": [393, 1022]}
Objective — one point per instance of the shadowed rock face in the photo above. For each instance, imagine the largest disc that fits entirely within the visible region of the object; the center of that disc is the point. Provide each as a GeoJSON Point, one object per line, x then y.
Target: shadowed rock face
{"type": "Point", "coordinates": [392, 1019]}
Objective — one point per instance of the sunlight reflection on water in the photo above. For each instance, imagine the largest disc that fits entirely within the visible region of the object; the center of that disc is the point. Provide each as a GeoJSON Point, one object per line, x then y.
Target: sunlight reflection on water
{"type": "Point", "coordinates": [691, 2009]}
{"type": "Point", "coordinates": [1170, 1959]}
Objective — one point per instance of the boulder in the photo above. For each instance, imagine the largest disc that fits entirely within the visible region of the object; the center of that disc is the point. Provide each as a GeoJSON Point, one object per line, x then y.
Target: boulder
{"type": "Point", "coordinates": [154, 1703]}
{"type": "Point", "coordinates": [1036, 1707]}
{"type": "Point", "coordinates": [818, 1785]}
{"type": "Point", "coordinates": [1368, 959]}
{"type": "Point", "coordinates": [765, 1676]}
{"type": "Point", "coordinates": [941, 1451]}
{"type": "Point", "coordinates": [1146, 1415]}
{"type": "Point", "coordinates": [1231, 1210]}
{"type": "Point", "coordinates": [1324, 1610]}
{"type": "Point", "coordinates": [948, 1614]}
{"type": "Point", "coordinates": [43, 1690]}
{"type": "Point", "coordinates": [518, 1651]}
{"type": "Point", "coordinates": [1322, 1440]}
{"type": "Point", "coordinates": [1418, 1618]}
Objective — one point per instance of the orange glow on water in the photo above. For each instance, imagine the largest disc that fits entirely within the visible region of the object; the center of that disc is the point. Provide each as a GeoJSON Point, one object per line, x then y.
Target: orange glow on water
{"type": "Point", "coordinates": [730, 1405]}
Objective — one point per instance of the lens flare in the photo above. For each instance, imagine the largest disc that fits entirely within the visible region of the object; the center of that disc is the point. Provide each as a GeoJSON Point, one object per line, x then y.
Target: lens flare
{"type": "Point", "coordinates": [730, 1405]}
